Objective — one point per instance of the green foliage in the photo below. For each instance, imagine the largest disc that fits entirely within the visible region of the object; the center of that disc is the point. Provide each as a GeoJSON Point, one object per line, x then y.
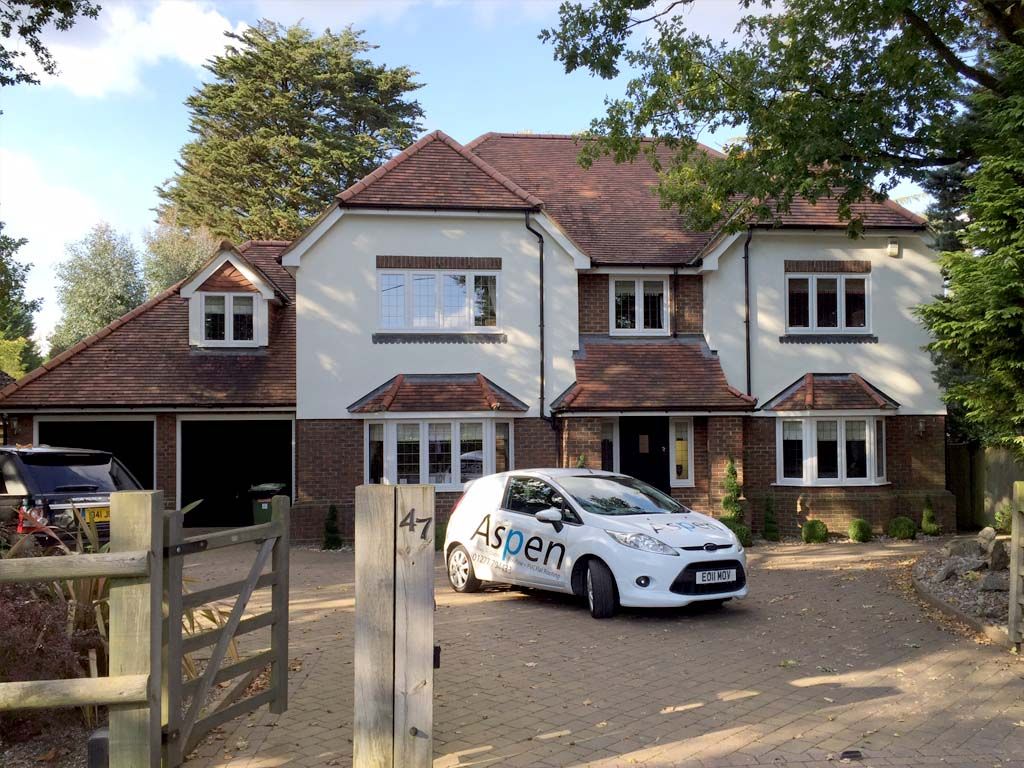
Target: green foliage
{"type": "Point", "coordinates": [97, 283]}
{"type": "Point", "coordinates": [929, 525]}
{"type": "Point", "coordinates": [902, 528]}
{"type": "Point", "coordinates": [16, 311]}
{"type": "Point", "coordinates": [286, 121]}
{"type": "Point", "coordinates": [860, 530]}
{"type": "Point", "coordinates": [1004, 517]}
{"type": "Point", "coordinates": [771, 523]}
{"type": "Point", "coordinates": [332, 536]}
{"type": "Point", "coordinates": [12, 354]}
{"type": "Point", "coordinates": [174, 252]}
{"type": "Point", "coordinates": [736, 526]}
{"type": "Point", "coordinates": [731, 506]}
{"type": "Point", "coordinates": [814, 532]}
{"type": "Point", "coordinates": [581, 461]}
{"type": "Point", "coordinates": [29, 19]}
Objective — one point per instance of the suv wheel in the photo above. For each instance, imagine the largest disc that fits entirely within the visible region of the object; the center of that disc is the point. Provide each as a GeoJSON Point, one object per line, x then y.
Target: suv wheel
{"type": "Point", "coordinates": [460, 571]}
{"type": "Point", "coordinates": [600, 590]}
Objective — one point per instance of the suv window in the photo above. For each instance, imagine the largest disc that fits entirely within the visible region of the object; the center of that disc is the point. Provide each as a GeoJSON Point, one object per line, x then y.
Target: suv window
{"type": "Point", "coordinates": [77, 473]}
{"type": "Point", "coordinates": [529, 495]}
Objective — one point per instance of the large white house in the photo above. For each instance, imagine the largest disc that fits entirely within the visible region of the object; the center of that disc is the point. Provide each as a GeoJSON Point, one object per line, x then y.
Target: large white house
{"type": "Point", "coordinates": [465, 310]}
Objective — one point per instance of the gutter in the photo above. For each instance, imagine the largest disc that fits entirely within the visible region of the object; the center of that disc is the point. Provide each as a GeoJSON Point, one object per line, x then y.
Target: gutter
{"type": "Point", "coordinates": [746, 302]}
{"type": "Point", "coordinates": [540, 252]}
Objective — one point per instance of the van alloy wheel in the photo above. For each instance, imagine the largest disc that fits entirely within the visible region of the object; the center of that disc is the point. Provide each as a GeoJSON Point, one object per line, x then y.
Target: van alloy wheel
{"type": "Point", "coordinates": [460, 571]}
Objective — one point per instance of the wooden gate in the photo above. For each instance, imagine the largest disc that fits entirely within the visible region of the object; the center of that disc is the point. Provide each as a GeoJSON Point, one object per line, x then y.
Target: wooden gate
{"type": "Point", "coordinates": [1015, 623]}
{"type": "Point", "coordinates": [187, 715]}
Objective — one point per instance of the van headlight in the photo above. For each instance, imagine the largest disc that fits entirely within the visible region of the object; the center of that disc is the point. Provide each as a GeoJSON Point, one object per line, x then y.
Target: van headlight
{"type": "Point", "coordinates": [643, 542]}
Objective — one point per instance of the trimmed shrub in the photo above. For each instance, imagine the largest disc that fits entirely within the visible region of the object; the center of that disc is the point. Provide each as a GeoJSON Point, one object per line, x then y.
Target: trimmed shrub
{"type": "Point", "coordinates": [902, 528]}
{"type": "Point", "coordinates": [814, 532]}
{"type": "Point", "coordinates": [860, 530]}
{"type": "Point", "coordinates": [929, 525]}
{"type": "Point", "coordinates": [737, 527]}
{"type": "Point", "coordinates": [1004, 517]}
{"type": "Point", "coordinates": [332, 536]}
{"type": "Point", "coordinates": [731, 506]}
{"type": "Point", "coordinates": [771, 524]}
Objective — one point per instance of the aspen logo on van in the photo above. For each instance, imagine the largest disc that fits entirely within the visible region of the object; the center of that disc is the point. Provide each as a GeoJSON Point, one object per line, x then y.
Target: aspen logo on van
{"type": "Point", "coordinates": [512, 541]}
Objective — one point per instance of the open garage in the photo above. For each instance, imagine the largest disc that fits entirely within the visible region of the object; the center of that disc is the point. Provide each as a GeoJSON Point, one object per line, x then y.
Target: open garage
{"type": "Point", "coordinates": [130, 439]}
{"type": "Point", "coordinates": [221, 459]}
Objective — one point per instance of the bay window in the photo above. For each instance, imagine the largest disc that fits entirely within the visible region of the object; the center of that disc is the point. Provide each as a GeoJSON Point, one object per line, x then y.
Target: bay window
{"type": "Point", "coordinates": [827, 303]}
{"type": "Point", "coordinates": [638, 306]}
{"type": "Point", "coordinates": [446, 453]}
{"type": "Point", "coordinates": [833, 450]}
{"type": "Point", "coordinates": [438, 301]}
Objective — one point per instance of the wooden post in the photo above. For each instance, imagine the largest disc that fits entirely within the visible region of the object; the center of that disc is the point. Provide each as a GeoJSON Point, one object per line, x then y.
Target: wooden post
{"type": "Point", "coordinates": [394, 626]}
{"type": "Point", "coordinates": [172, 671]}
{"type": "Point", "coordinates": [1013, 627]}
{"type": "Point", "coordinates": [280, 513]}
{"type": "Point", "coordinates": [136, 608]}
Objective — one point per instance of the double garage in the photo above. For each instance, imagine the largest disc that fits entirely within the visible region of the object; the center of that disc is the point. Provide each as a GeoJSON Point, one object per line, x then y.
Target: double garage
{"type": "Point", "coordinates": [216, 459]}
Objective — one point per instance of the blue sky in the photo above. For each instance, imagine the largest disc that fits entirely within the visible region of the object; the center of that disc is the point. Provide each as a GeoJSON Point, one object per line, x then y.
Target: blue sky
{"type": "Point", "coordinates": [92, 143]}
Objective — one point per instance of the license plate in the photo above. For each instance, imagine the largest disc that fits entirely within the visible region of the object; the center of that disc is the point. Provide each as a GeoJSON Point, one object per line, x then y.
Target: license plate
{"type": "Point", "coordinates": [98, 515]}
{"type": "Point", "coordinates": [716, 577]}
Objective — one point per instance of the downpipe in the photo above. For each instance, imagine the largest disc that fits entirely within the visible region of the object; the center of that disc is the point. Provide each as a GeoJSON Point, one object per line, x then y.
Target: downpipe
{"type": "Point", "coordinates": [746, 302]}
{"type": "Point", "coordinates": [540, 251]}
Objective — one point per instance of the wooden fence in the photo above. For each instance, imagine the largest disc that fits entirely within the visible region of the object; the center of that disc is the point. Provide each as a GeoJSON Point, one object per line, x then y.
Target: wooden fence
{"type": "Point", "coordinates": [1014, 625]}
{"type": "Point", "coordinates": [144, 691]}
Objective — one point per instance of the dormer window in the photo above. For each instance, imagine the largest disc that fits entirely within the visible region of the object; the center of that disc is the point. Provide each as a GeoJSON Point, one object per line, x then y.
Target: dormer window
{"type": "Point", "coordinates": [638, 306]}
{"type": "Point", "coordinates": [229, 302]}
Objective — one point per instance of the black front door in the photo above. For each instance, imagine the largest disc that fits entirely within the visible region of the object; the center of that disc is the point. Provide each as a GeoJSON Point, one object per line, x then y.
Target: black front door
{"type": "Point", "coordinates": [643, 449]}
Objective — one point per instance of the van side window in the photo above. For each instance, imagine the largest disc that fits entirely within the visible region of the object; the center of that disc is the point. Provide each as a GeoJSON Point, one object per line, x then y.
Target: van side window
{"type": "Point", "coordinates": [529, 495]}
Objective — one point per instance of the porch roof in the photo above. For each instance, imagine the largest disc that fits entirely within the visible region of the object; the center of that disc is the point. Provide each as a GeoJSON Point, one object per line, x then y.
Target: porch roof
{"type": "Point", "coordinates": [830, 391]}
{"type": "Point", "coordinates": [422, 393]}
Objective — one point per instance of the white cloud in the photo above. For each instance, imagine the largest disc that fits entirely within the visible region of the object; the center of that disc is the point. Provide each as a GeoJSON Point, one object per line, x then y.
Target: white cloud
{"type": "Point", "coordinates": [50, 216]}
{"type": "Point", "coordinates": [109, 55]}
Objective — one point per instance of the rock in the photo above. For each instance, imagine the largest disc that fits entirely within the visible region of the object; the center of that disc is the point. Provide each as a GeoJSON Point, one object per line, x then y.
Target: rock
{"type": "Point", "coordinates": [986, 536]}
{"type": "Point", "coordinates": [966, 547]}
{"type": "Point", "coordinates": [996, 582]}
{"type": "Point", "coordinates": [947, 571]}
{"type": "Point", "coordinates": [999, 556]}
{"type": "Point", "coordinates": [973, 564]}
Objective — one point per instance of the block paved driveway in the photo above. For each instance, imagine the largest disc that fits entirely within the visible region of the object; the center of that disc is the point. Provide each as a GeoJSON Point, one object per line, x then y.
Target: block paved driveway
{"type": "Point", "coordinates": [826, 655]}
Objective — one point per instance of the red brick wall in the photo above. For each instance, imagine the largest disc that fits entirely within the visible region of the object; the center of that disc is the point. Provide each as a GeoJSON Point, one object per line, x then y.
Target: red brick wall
{"type": "Point", "coordinates": [581, 437]}
{"type": "Point", "coordinates": [167, 458]}
{"type": "Point", "coordinates": [20, 434]}
{"type": "Point", "coordinates": [593, 303]}
{"type": "Point", "coordinates": [688, 303]}
{"type": "Point", "coordinates": [536, 444]}
{"type": "Point", "coordinates": [915, 466]}
{"type": "Point", "coordinates": [725, 441]}
{"type": "Point", "coordinates": [328, 467]}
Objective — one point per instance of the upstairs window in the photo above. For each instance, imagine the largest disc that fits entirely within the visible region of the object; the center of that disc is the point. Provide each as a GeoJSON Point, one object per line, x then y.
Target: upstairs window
{"type": "Point", "coordinates": [228, 319]}
{"type": "Point", "coordinates": [639, 306]}
{"type": "Point", "coordinates": [827, 304]}
{"type": "Point", "coordinates": [438, 301]}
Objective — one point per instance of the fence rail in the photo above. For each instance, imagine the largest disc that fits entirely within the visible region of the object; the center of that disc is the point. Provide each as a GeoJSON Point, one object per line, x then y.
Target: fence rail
{"type": "Point", "coordinates": [145, 690]}
{"type": "Point", "coordinates": [1014, 624]}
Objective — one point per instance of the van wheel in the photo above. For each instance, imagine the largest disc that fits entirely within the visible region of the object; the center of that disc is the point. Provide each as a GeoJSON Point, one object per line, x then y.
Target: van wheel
{"type": "Point", "coordinates": [460, 571]}
{"type": "Point", "coordinates": [599, 589]}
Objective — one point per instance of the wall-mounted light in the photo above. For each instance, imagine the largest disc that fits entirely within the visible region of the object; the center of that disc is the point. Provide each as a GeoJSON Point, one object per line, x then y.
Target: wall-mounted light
{"type": "Point", "coordinates": [920, 428]}
{"type": "Point", "coordinates": [893, 248]}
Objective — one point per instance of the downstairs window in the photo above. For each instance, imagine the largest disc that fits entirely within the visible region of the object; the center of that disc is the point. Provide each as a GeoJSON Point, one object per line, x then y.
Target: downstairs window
{"type": "Point", "coordinates": [830, 450]}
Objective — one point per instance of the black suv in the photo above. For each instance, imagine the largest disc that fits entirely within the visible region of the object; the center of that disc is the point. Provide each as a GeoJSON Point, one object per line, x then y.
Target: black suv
{"type": "Point", "coordinates": [40, 486]}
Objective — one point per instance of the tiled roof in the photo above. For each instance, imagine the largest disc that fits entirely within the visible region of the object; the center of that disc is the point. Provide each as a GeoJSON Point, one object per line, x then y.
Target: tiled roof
{"type": "Point", "coordinates": [437, 172]}
{"type": "Point", "coordinates": [830, 391]}
{"type": "Point", "coordinates": [438, 392]}
{"type": "Point", "coordinates": [612, 211]}
{"type": "Point", "coordinates": [650, 375]}
{"type": "Point", "coordinates": [227, 279]}
{"type": "Point", "coordinates": [144, 359]}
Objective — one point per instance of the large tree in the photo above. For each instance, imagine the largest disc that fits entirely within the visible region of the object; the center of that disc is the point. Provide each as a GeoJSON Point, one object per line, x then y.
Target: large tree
{"type": "Point", "coordinates": [97, 283]}
{"type": "Point", "coordinates": [17, 323]}
{"type": "Point", "coordinates": [832, 98]}
{"type": "Point", "coordinates": [174, 252]}
{"type": "Point", "coordinates": [288, 120]}
{"type": "Point", "coordinates": [28, 20]}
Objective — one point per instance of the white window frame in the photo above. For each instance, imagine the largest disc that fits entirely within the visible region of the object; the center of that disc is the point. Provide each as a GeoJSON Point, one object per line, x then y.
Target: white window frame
{"type": "Point", "coordinates": [391, 447]}
{"type": "Point", "coordinates": [673, 481]}
{"type": "Point", "coordinates": [408, 325]}
{"type": "Point", "coordinates": [229, 320]}
{"type": "Point", "coordinates": [812, 299]}
{"type": "Point", "coordinates": [810, 457]}
{"type": "Point", "coordinates": [638, 288]}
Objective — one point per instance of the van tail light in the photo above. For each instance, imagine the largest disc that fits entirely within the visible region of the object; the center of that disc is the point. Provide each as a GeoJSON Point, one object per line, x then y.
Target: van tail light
{"type": "Point", "coordinates": [31, 519]}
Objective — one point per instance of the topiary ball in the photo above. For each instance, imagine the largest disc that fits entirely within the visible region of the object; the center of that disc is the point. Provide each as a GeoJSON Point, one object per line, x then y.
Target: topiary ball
{"type": "Point", "coordinates": [742, 532]}
{"type": "Point", "coordinates": [814, 532]}
{"type": "Point", "coordinates": [860, 530]}
{"type": "Point", "coordinates": [902, 528]}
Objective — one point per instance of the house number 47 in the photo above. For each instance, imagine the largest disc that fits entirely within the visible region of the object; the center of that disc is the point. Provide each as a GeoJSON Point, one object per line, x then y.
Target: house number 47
{"type": "Point", "coordinates": [410, 521]}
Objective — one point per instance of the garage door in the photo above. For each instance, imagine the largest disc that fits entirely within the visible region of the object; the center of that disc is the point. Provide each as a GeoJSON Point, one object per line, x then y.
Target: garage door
{"type": "Point", "coordinates": [129, 441]}
{"type": "Point", "coordinates": [221, 460]}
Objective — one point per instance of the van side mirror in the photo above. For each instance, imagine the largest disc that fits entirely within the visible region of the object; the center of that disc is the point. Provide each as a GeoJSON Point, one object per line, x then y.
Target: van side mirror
{"type": "Point", "coordinates": [552, 516]}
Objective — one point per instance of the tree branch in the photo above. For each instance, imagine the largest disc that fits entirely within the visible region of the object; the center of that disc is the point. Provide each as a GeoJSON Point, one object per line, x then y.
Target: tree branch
{"type": "Point", "coordinates": [638, 22]}
{"type": "Point", "coordinates": [1009, 21]}
{"type": "Point", "coordinates": [980, 76]}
